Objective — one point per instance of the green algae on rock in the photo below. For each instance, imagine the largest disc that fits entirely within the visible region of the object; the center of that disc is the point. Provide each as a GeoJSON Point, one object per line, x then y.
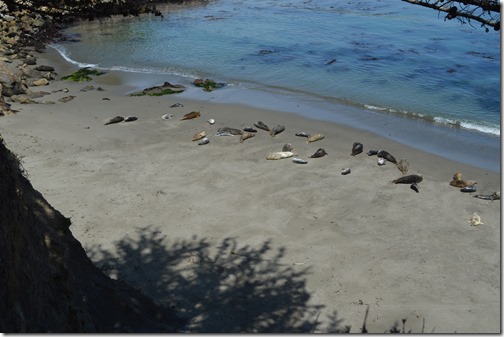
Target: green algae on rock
{"type": "Point", "coordinates": [208, 85]}
{"type": "Point", "coordinates": [83, 75]}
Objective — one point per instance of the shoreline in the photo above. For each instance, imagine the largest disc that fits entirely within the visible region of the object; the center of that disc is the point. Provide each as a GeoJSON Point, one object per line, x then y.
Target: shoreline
{"type": "Point", "coordinates": [460, 144]}
{"type": "Point", "coordinates": [356, 240]}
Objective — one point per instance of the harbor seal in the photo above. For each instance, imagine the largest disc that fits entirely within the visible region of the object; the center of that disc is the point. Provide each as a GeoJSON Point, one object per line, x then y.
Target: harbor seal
{"type": "Point", "coordinates": [460, 183]}
{"type": "Point", "coordinates": [262, 126]}
{"type": "Point", "coordinates": [279, 155]}
{"type": "Point", "coordinates": [387, 156]}
{"type": "Point", "coordinates": [191, 115]}
{"type": "Point", "coordinates": [246, 135]}
{"type": "Point", "coordinates": [356, 148]}
{"type": "Point", "coordinates": [114, 120]}
{"type": "Point", "coordinates": [131, 119]}
{"type": "Point", "coordinates": [276, 130]}
{"type": "Point", "coordinates": [299, 161]}
{"type": "Point", "coordinates": [493, 196]}
{"type": "Point", "coordinates": [314, 138]}
{"type": "Point", "coordinates": [287, 147]}
{"type": "Point", "coordinates": [199, 135]}
{"type": "Point", "coordinates": [319, 153]}
{"type": "Point", "coordinates": [303, 134]}
{"type": "Point", "coordinates": [249, 129]}
{"type": "Point", "coordinates": [232, 131]}
{"type": "Point", "coordinates": [372, 152]}
{"type": "Point", "coordinates": [411, 179]}
{"type": "Point", "coordinates": [414, 187]}
{"type": "Point", "coordinates": [204, 141]}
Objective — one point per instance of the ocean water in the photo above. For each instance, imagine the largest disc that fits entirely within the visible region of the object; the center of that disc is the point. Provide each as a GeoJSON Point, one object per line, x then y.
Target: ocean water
{"type": "Point", "coordinates": [360, 63]}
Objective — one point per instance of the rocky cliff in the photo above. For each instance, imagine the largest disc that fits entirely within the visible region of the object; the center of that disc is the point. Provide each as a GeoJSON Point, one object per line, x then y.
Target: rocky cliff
{"type": "Point", "coordinates": [48, 282]}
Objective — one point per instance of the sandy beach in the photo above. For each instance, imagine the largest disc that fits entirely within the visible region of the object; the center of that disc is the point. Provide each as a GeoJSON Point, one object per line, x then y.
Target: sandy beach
{"type": "Point", "coordinates": [240, 243]}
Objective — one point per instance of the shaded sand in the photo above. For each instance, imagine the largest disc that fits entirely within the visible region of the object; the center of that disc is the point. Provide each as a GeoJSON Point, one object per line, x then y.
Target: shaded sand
{"type": "Point", "coordinates": [240, 243]}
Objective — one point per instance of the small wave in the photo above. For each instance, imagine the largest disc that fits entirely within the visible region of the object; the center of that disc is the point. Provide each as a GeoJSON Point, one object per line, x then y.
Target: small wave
{"type": "Point", "coordinates": [64, 53]}
{"type": "Point", "coordinates": [481, 127]}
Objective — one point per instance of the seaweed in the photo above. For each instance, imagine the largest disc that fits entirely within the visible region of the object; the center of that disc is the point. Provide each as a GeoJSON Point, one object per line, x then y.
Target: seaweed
{"type": "Point", "coordinates": [208, 85]}
{"type": "Point", "coordinates": [83, 75]}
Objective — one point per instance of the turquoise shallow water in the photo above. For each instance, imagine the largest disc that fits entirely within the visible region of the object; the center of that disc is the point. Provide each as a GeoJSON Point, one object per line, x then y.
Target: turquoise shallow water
{"type": "Point", "coordinates": [380, 59]}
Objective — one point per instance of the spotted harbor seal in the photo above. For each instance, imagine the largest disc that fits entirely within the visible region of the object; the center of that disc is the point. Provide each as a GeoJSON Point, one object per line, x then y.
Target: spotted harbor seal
{"type": "Point", "coordinates": [287, 147]}
{"type": "Point", "coordinates": [314, 138]}
{"type": "Point", "coordinates": [199, 135]}
{"type": "Point", "coordinates": [232, 131]}
{"type": "Point", "coordinates": [387, 156]}
{"type": "Point", "coordinates": [131, 119]}
{"type": "Point", "coordinates": [356, 148]}
{"type": "Point", "coordinates": [411, 179]}
{"type": "Point", "coordinates": [372, 152]}
{"type": "Point", "coordinates": [276, 130]}
{"type": "Point", "coordinates": [114, 120]}
{"type": "Point", "coordinates": [262, 126]}
{"type": "Point", "coordinates": [299, 161]}
{"type": "Point", "coordinates": [319, 153]}
{"type": "Point", "coordinates": [493, 196]}
{"type": "Point", "coordinates": [191, 115]}
{"type": "Point", "coordinates": [246, 135]}
{"type": "Point", "coordinates": [204, 141]}
{"type": "Point", "coordinates": [303, 134]}
{"type": "Point", "coordinates": [249, 129]}
{"type": "Point", "coordinates": [279, 155]}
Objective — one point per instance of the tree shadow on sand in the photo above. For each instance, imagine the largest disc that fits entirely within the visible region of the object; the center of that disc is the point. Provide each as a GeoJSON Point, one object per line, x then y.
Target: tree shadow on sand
{"type": "Point", "coordinates": [217, 288]}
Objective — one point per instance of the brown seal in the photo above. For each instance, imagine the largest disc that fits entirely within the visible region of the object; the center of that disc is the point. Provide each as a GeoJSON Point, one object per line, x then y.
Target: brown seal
{"type": "Point", "coordinates": [191, 115]}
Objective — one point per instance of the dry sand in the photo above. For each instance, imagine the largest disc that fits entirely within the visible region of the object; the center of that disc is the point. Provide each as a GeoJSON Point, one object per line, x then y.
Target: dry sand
{"type": "Point", "coordinates": [311, 245]}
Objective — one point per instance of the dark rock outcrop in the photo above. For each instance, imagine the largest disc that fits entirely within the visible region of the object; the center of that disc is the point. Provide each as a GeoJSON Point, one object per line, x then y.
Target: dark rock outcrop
{"type": "Point", "coordinates": [48, 282]}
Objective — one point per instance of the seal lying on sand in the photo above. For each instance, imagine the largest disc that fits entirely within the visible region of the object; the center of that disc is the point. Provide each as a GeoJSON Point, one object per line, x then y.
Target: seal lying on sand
{"type": "Point", "coordinates": [319, 153]}
{"type": "Point", "coordinates": [387, 156]}
{"type": "Point", "coordinates": [279, 155]}
{"type": "Point", "coordinates": [493, 196]}
{"type": "Point", "coordinates": [199, 135]}
{"type": "Point", "coordinates": [246, 135]}
{"type": "Point", "coordinates": [276, 130]}
{"type": "Point", "coordinates": [191, 115]}
{"type": "Point", "coordinates": [356, 148]}
{"type": "Point", "coordinates": [287, 147]}
{"type": "Point", "coordinates": [299, 161]}
{"type": "Point", "coordinates": [262, 126]}
{"type": "Point", "coordinates": [116, 119]}
{"type": "Point", "coordinates": [231, 131]}
{"type": "Point", "coordinates": [130, 119]}
{"type": "Point", "coordinates": [303, 134]}
{"type": "Point", "coordinates": [314, 138]}
{"type": "Point", "coordinates": [458, 182]}
{"type": "Point", "coordinates": [413, 178]}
